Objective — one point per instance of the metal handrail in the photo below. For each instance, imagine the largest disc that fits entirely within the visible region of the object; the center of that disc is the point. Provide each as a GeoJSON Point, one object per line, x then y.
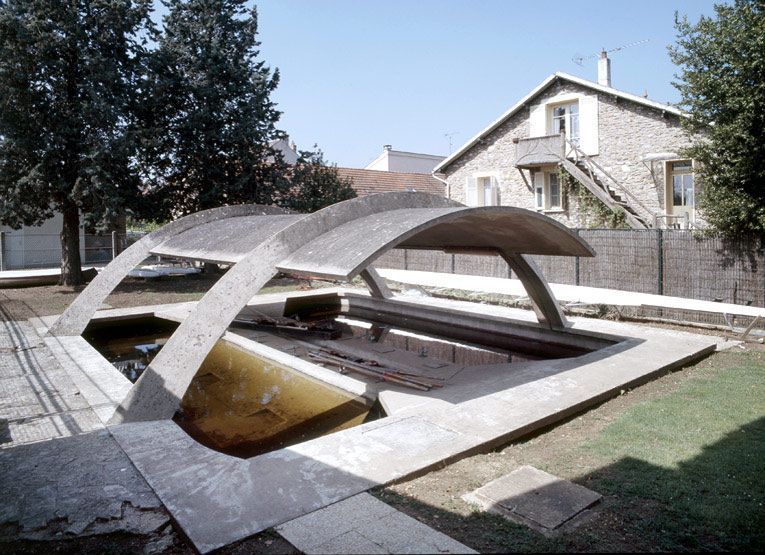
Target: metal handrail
{"type": "Point", "coordinates": [589, 161]}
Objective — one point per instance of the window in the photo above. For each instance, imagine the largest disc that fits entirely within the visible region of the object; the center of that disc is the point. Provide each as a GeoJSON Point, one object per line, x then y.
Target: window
{"type": "Point", "coordinates": [682, 183]}
{"type": "Point", "coordinates": [482, 191]}
{"type": "Point", "coordinates": [553, 185]}
{"type": "Point", "coordinates": [547, 191]}
{"type": "Point", "coordinates": [539, 193]}
{"type": "Point", "coordinates": [565, 119]}
{"type": "Point", "coordinates": [680, 195]}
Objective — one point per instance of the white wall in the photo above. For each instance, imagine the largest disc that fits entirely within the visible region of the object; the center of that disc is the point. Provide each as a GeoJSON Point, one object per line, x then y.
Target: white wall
{"type": "Point", "coordinates": [407, 162]}
{"type": "Point", "coordinates": [36, 246]}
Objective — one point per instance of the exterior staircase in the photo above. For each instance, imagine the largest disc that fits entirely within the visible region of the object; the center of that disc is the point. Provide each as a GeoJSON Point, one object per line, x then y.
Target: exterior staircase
{"type": "Point", "coordinates": [557, 149]}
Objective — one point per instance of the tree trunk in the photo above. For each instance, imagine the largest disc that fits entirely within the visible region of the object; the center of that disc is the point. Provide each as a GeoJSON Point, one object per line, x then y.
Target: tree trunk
{"type": "Point", "coordinates": [71, 265]}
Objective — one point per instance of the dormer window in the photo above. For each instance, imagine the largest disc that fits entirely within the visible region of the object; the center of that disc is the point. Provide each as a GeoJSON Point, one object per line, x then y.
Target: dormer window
{"type": "Point", "coordinates": [565, 119]}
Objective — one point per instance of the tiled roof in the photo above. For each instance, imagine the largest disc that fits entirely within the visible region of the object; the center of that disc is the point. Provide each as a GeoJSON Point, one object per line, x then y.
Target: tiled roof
{"type": "Point", "coordinates": [367, 182]}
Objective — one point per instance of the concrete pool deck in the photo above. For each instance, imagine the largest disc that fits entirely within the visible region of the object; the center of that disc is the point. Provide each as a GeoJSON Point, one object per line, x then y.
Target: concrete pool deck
{"type": "Point", "coordinates": [218, 499]}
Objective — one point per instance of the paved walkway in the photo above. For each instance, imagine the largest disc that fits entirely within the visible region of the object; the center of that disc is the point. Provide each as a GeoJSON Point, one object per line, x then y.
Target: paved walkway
{"type": "Point", "coordinates": [61, 472]}
{"type": "Point", "coordinates": [364, 524]}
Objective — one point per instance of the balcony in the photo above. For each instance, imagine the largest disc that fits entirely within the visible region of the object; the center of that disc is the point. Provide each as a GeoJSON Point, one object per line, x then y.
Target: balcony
{"type": "Point", "coordinates": [539, 151]}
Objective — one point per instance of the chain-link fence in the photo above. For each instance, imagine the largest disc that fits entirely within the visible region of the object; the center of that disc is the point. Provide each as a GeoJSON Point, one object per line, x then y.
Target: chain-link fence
{"type": "Point", "coordinates": [678, 263]}
{"type": "Point", "coordinates": [24, 250]}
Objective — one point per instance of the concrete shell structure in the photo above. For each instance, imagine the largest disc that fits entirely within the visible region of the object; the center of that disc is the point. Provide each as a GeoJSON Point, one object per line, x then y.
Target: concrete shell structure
{"type": "Point", "coordinates": [340, 242]}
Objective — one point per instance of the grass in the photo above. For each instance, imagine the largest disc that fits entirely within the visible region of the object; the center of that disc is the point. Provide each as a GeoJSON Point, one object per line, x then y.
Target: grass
{"type": "Point", "coordinates": [680, 463]}
{"type": "Point", "coordinates": [696, 456]}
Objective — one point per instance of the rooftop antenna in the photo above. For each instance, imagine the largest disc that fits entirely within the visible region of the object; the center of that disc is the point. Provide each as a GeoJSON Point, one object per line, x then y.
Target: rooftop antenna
{"type": "Point", "coordinates": [449, 136]}
{"type": "Point", "coordinates": [579, 59]}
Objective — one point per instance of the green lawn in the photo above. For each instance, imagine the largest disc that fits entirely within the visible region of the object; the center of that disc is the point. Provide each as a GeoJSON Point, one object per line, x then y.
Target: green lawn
{"type": "Point", "coordinates": [695, 457]}
{"type": "Point", "coordinates": [680, 463]}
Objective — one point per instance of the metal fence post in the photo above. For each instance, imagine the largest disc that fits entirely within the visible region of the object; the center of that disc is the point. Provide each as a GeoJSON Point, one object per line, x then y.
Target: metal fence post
{"type": "Point", "coordinates": [114, 245]}
{"type": "Point", "coordinates": [453, 263]}
{"type": "Point", "coordinates": [406, 259]}
{"type": "Point", "coordinates": [576, 263]}
{"type": "Point", "coordinates": [660, 261]}
{"type": "Point", "coordinates": [2, 251]}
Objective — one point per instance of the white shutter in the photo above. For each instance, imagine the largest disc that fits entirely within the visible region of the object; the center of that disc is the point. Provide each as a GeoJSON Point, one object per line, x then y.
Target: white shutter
{"type": "Point", "coordinates": [471, 194]}
{"type": "Point", "coordinates": [539, 190]}
{"type": "Point", "coordinates": [588, 124]}
{"type": "Point", "coordinates": [538, 121]}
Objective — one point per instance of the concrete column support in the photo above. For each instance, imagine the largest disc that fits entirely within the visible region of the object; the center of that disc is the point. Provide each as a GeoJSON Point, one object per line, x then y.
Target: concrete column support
{"type": "Point", "coordinates": [376, 283]}
{"type": "Point", "coordinates": [543, 301]}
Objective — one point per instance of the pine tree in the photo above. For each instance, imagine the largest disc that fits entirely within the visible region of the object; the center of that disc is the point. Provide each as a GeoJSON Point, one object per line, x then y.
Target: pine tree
{"type": "Point", "coordinates": [208, 113]}
{"type": "Point", "coordinates": [722, 83]}
{"type": "Point", "coordinates": [68, 74]}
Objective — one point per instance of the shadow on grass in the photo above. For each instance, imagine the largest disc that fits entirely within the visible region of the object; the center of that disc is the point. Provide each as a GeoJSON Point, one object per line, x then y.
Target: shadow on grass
{"type": "Point", "coordinates": [712, 502]}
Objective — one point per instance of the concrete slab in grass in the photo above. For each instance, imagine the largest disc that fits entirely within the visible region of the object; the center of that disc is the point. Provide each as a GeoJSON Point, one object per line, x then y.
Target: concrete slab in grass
{"type": "Point", "coordinates": [535, 498]}
{"type": "Point", "coordinates": [363, 524]}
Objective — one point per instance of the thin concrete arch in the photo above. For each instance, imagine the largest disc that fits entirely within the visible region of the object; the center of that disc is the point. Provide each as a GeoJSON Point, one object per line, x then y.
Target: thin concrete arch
{"type": "Point", "coordinates": [509, 232]}
{"type": "Point", "coordinates": [157, 393]}
{"type": "Point", "coordinates": [75, 318]}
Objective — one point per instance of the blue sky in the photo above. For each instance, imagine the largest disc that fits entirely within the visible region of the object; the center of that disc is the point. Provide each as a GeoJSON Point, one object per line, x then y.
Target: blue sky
{"type": "Point", "coordinates": [359, 74]}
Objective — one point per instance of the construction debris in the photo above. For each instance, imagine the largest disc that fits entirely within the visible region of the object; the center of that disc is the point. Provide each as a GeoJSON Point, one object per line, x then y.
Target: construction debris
{"type": "Point", "coordinates": [372, 369]}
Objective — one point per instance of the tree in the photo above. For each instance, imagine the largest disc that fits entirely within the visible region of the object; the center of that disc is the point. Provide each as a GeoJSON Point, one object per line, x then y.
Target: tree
{"type": "Point", "coordinates": [722, 83]}
{"type": "Point", "coordinates": [209, 117]}
{"type": "Point", "coordinates": [68, 71]}
{"type": "Point", "coordinates": [314, 184]}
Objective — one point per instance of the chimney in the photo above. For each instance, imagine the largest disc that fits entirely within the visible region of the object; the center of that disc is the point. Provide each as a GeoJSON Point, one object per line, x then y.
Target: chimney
{"type": "Point", "coordinates": [604, 69]}
{"type": "Point", "coordinates": [387, 147]}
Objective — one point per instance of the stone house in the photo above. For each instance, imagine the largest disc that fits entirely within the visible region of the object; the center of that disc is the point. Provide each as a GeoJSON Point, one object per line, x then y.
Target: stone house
{"type": "Point", "coordinates": [577, 151]}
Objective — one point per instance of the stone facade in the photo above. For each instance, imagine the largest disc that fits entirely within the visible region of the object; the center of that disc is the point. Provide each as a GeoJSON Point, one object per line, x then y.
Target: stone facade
{"type": "Point", "coordinates": [627, 132]}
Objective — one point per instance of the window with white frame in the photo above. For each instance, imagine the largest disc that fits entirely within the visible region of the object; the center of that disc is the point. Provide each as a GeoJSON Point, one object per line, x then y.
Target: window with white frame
{"type": "Point", "coordinates": [548, 194]}
{"type": "Point", "coordinates": [482, 190]}
{"type": "Point", "coordinates": [565, 119]}
{"type": "Point", "coordinates": [682, 183]}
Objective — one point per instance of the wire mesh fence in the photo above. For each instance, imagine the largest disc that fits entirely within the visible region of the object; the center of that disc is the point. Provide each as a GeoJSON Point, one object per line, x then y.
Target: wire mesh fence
{"type": "Point", "coordinates": [678, 263]}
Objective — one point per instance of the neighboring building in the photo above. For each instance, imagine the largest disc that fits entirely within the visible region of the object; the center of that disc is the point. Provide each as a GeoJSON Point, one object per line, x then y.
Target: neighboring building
{"type": "Point", "coordinates": [287, 148]}
{"type": "Point", "coordinates": [40, 246]}
{"type": "Point", "coordinates": [367, 182]}
{"type": "Point", "coordinates": [406, 162]}
{"type": "Point", "coordinates": [622, 148]}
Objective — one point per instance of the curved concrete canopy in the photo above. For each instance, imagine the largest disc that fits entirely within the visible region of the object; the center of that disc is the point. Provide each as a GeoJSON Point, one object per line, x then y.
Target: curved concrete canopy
{"type": "Point", "coordinates": [502, 230]}
{"type": "Point", "coordinates": [226, 240]}
{"type": "Point", "coordinates": [75, 318]}
{"type": "Point", "coordinates": [352, 232]}
{"type": "Point", "coordinates": [157, 393]}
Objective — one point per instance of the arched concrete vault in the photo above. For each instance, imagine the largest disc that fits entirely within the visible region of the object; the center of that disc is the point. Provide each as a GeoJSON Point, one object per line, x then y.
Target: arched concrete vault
{"type": "Point", "coordinates": [506, 231]}
{"type": "Point", "coordinates": [340, 241]}
{"type": "Point", "coordinates": [75, 318]}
